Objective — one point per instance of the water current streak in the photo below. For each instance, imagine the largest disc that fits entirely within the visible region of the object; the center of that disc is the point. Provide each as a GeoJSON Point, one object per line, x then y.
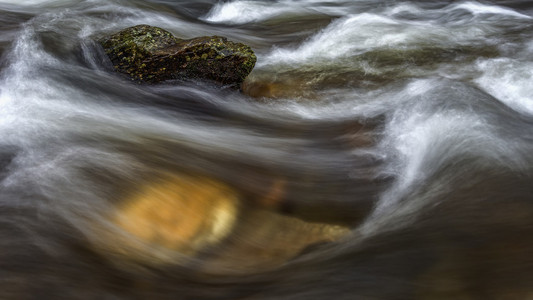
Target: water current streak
{"type": "Point", "coordinates": [378, 150]}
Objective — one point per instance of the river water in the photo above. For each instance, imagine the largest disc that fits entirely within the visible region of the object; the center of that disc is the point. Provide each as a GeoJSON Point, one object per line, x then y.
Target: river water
{"type": "Point", "coordinates": [378, 150]}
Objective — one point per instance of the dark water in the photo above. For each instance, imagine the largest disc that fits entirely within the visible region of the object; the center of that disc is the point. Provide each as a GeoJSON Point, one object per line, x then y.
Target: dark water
{"type": "Point", "coordinates": [379, 150]}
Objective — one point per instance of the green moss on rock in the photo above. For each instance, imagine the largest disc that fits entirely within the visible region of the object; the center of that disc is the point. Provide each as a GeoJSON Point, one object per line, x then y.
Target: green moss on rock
{"type": "Point", "coordinates": [151, 54]}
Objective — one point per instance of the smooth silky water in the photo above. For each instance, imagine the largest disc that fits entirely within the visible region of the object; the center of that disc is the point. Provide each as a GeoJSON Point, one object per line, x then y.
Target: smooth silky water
{"type": "Point", "coordinates": [378, 150]}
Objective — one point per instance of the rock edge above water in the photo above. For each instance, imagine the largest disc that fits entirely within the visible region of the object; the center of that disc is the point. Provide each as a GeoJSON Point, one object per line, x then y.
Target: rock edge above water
{"type": "Point", "coordinates": [150, 54]}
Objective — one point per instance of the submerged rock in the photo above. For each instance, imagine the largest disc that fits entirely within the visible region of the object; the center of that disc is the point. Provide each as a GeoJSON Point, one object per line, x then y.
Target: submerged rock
{"type": "Point", "coordinates": [151, 54]}
{"type": "Point", "coordinates": [171, 218]}
{"type": "Point", "coordinates": [176, 219]}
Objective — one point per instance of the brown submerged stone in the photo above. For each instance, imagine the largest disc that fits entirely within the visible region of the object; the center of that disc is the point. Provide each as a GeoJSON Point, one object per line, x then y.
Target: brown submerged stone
{"type": "Point", "coordinates": [151, 54]}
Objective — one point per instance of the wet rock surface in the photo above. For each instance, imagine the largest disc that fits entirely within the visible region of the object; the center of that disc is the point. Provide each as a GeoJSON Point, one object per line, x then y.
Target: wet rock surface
{"type": "Point", "coordinates": [150, 54]}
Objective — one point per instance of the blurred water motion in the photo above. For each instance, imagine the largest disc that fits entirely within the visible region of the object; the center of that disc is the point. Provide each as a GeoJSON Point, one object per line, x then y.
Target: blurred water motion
{"type": "Point", "coordinates": [379, 150]}
{"type": "Point", "coordinates": [179, 218]}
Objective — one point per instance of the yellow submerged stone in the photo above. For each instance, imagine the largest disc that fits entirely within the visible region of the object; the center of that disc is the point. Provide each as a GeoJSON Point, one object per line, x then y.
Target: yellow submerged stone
{"type": "Point", "coordinates": [175, 217]}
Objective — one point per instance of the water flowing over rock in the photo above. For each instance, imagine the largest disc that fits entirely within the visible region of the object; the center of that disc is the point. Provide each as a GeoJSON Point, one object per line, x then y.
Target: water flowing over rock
{"type": "Point", "coordinates": [151, 54]}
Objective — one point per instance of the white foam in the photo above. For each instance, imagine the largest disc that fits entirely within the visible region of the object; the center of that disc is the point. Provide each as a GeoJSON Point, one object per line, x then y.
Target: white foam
{"type": "Point", "coordinates": [510, 81]}
{"type": "Point", "coordinates": [356, 34]}
{"type": "Point", "coordinates": [480, 9]}
{"type": "Point", "coordinates": [343, 37]}
{"type": "Point", "coordinates": [29, 3]}
{"type": "Point", "coordinates": [247, 11]}
{"type": "Point", "coordinates": [240, 12]}
{"type": "Point", "coordinates": [432, 128]}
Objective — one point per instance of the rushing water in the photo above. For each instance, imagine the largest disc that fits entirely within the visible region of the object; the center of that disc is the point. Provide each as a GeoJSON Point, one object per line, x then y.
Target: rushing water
{"type": "Point", "coordinates": [378, 150]}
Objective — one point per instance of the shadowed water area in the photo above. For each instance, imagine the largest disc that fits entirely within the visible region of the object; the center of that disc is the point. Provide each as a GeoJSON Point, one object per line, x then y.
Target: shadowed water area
{"type": "Point", "coordinates": [378, 150]}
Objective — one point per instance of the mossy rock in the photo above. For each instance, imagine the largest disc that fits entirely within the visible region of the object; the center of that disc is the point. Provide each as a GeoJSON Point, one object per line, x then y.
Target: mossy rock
{"type": "Point", "coordinates": [151, 54]}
